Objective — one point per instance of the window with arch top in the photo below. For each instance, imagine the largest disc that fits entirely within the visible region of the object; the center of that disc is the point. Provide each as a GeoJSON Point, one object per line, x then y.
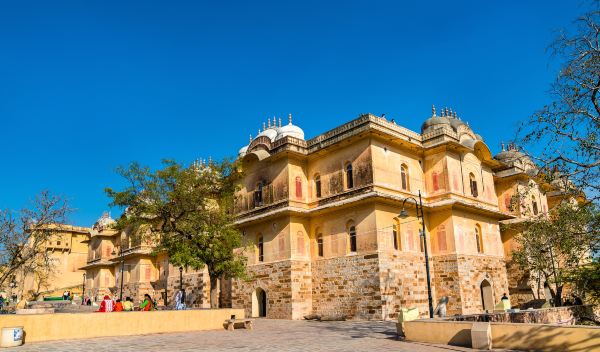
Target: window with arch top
{"type": "Point", "coordinates": [478, 238]}
{"type": "Point", "coordinates": [258, 194]}
{"type": "Point", "coordinates": [352, 238]}
{"type": "Point", "coordinates": [404, 177]}
{"type": "Point", "coordinates": [349, 176]}
{"type": "Point", "coordinates": [320, 245]}
{"type": "Point", "coordinates": [473, 185]}
{"type": "Point", "coordinates": [261, 249]}
{"type": "Point", "coordinates": [298, 187]}
{"type": "Point", "coordinates": [534, 205]}
{"type": "Point", "coordinates": [318, 185]}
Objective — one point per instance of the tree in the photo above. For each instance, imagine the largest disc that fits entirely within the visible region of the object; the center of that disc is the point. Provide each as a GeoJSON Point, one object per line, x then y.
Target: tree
{"type": "Point", "coordinates": [24, 234]}
{"type": "Point", "coordinates": [586, 281]}
{"type": "Point", "coordinates": [556, 246]}
{"type": "Point", "coordinates": [568, 127]}
{"type": "Point", "coordinates": [187, 211]}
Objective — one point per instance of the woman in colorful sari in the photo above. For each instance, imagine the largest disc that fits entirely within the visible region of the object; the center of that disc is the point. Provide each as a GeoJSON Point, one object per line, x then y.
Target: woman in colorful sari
{"type": "Point", "coordinates": [147, 304]}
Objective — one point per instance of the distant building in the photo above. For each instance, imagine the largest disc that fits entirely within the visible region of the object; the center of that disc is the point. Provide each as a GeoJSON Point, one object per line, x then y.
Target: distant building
{"type": "Point", "coordinates": [67, 251]}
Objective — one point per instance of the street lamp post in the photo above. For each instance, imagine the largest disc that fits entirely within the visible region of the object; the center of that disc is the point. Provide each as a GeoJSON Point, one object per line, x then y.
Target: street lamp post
{"type": "Point", "coordinates": [181, 278]}
{"type": "Point", "coordinates": [420, 214]}
{"type": "Point", "coordinates": [122, 265]}
{"type": "Point", "coordinates": [83, 291]}
{"type": "Point", "coordinates": [12, 286]}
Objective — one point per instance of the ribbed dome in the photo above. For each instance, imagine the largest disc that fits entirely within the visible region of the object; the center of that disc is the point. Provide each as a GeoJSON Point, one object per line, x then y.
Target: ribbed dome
{"type": "Point", "coordinates": [508, 156]}
{"type": "Point", "coordinates": [270, 132]}
{"type": "Point", "coordinates": [455, 123]}
{"type": "Point", "coordinates": [104, 221]}
{"type": "Point", "coordinates": [434, 122]}
{"type": "Point", "coordinates": [242, 151]}
{"type": "Point", "coordinates": [290, 130]}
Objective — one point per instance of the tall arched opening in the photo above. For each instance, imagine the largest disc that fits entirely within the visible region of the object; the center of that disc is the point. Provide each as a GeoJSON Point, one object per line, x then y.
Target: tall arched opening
{"type": "Point", "coordinates": [259, 303]}
{"type": "Point", "coordinates": [487, 296]}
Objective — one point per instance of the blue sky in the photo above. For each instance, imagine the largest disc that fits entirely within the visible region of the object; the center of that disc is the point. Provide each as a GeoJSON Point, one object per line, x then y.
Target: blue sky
{"type": "Point", "coordinates": [87, 86]}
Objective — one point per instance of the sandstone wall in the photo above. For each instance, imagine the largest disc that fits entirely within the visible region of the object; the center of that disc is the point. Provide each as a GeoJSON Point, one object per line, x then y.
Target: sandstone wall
{"type": "Point", "coordinates": [348, 286]}
{"type": "Point", "coordinates": [403, 282]}
{"type": "Point", "coordinates": [275, 279]}
{"type": "Point", "coordinates": [473, 269]}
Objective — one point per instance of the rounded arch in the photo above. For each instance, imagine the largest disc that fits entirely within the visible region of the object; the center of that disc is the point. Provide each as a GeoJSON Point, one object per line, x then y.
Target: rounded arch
{"type": "Point", "coordinates": [478, 238]}
{"type": "Point", "coordinates": [473, 184]}
{"type": "Point", "coordinates": [351, 231]}
{"type": "Point", "coordinates": [260, 246]}
{"type": "Point", "coordinates": [487, 295]}
{"type": "Point", "coordinates": [404, 177]}
{"type": "Point", "coordinates": [259, 302]}
{"type": "Point", "coordinates": [317, 179]}
{"type": "Point", "coordinates": [349, 175]}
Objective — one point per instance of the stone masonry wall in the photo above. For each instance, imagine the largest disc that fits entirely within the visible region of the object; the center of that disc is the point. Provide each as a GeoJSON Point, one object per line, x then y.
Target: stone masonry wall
{"type": "Point", "coordinates": [347, 286]}
{"type": "Point", "coordinates": [473, 269]}
{"type": "Point", "coordinates": [445, 269]}
{"type": "Point", "coordinates": [196, 285]}
{"type": "Point", "coordinates": [403, 282]}
{"type": "Point", "coordinates": [275, 279]}
{"type": "Point", "coordinates": [302, 296]}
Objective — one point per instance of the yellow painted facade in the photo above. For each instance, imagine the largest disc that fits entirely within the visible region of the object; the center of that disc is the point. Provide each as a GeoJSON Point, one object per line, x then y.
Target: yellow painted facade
{"type": "Point", "coordinates": [67, 250]}
{"type": "Point", "coordinates": [319, 215]}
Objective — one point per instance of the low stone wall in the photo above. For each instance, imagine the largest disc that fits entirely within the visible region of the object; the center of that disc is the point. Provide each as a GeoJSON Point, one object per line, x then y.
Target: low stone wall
{"type": "Point", "coordinates": [528, 337]}
{"type": "Point", "coordinates": [560, 315]}
{"type": "Point", "coordinates": [68, 326]}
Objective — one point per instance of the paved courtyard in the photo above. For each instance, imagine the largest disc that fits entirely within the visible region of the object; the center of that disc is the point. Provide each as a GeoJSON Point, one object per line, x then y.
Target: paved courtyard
{"type": "Point", "coordinates": [268, 335]}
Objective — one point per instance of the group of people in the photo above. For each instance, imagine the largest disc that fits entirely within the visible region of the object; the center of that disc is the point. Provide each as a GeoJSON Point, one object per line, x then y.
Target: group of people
{"type": "Point", "coordinates": [67, 296]}
{"type": "Point", "coordinates": [147, 304]}
{"type": "Point", "coordinates": [109, 305]}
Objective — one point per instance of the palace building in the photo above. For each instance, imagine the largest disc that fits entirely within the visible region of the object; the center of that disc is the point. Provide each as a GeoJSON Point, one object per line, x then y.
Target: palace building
{"type": "Point", "coordinates": [320, 220]}
{"type": "Point", "coordinates": [322, 217]}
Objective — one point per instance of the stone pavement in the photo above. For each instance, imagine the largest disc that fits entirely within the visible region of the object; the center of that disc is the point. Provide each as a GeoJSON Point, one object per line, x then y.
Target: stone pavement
{"type": "Point", "coordinates": [268, 335]}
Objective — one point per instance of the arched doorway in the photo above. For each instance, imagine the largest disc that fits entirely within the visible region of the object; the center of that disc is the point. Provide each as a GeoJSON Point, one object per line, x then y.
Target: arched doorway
{"type": "Point", "coordinates": [487, 296]}
{"type": "Point", "coordinates": [259, 303]}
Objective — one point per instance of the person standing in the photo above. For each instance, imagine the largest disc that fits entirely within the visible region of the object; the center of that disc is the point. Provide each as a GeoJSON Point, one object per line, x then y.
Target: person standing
{"type": "Point", "coordinates": [180, 300]}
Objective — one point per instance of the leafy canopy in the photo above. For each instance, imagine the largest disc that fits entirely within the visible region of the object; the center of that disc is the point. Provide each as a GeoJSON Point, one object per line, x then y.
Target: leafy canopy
{"type": "Point", "coordinates": [185, 211]}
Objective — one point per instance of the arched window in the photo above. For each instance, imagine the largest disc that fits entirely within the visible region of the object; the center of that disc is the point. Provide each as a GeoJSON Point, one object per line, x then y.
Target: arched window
{"type": "Point", "coordinates": [473, 185]}
{"type": "Point", "coordinates": [352, 238]}
{"type": "Point", "coordinates": [395, 237]}
{"type": "Point", "coordinates": [318, 185]}
{"type": "Point", "coordinates": [534, 205]}
{"type": "Point", "coordinates": [320, 245]}
{"type": "Point", "coordinates": [479, 238]}
{"type": "Point", "coordinates": [349, 177]}
{"type": "Point", "coordinates": [298, 187]}
{"type": "Point", "coordinates": [258, 194]}
{"type": "Point", "coordinates": [261, 249]}
{"type": "Point", "coordinates": [404, 177]}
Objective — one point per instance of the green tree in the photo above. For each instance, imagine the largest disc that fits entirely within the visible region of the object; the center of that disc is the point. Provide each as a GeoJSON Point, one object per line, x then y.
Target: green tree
{"type": "Point", "coordinates": [187, 211]}
{"type": "Point", "coordinates": [558, 245]}
{"type": "Point", "coordinates": [25, 233]}
{"type": "Point", "coordinates": [568, 126]}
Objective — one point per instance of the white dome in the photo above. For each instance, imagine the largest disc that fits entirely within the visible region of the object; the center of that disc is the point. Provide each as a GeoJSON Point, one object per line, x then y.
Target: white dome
{"type": "Point", "coordinates": [243, 151]}
{"type": "Point", "coordinates": [290, 130]}
{"type": "Point", "coordinates": [270, 132]}
{"type": "Point", "coordinates": [104, 221]}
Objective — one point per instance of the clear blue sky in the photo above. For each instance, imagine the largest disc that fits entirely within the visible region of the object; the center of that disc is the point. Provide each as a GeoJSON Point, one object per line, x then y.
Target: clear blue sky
{"type": "Point", "coordinates": [87, 86]}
